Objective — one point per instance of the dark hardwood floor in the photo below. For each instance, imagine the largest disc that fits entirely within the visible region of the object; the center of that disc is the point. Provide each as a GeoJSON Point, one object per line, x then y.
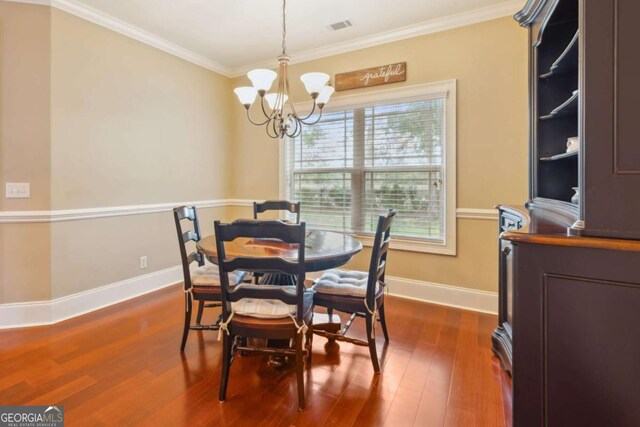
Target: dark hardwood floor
{"type": "Point", "coordinates": [122, 366]}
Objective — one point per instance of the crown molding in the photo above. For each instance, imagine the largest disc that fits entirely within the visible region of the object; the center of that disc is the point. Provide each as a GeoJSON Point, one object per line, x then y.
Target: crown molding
{"type": "Point", "coordinates": [90, 14]}
{"type": "Point", "coordinates": [107, 21]}
{"type": "Point", "coordinates": [126, 29]}
{"type": "Point", "coordinates": [475, 16]}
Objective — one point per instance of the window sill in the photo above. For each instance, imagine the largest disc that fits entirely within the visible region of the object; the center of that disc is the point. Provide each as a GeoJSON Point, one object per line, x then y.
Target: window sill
{"type": "Point", "coordinates": [408, 245]}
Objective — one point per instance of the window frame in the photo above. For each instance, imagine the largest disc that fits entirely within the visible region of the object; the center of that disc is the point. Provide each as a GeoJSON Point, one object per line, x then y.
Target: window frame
{"type": "Point", "coordinates": [405, 94]}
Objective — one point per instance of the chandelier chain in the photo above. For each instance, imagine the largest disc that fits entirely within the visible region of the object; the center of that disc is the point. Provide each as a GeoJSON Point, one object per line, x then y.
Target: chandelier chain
{"type": "Point", "coordinates": [284, 27]}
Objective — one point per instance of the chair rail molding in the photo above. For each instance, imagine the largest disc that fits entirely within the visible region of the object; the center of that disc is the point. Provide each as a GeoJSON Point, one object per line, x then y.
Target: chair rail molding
{"type": "Point", "coordinates": [104, 212]}
{"type": "Point", "coordinates": [484, 214]}
{"type": "Point", "coordinates": [18, 217]}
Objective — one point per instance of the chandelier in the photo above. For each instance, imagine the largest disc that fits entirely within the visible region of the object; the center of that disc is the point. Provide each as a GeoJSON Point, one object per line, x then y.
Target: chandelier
{"type": "Point", "coordinates": [276, 122]}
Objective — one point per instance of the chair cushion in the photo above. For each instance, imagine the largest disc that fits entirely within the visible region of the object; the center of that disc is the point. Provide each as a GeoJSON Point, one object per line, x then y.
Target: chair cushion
{"type": "Point", "coordinates": [264, 308]}
{"type": "Point", "coordinates": [343, 282]}
{"type": "Point", "coordinates": [209, 275]}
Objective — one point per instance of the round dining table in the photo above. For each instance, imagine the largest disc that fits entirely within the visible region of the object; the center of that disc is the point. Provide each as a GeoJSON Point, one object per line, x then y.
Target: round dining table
{"type": "Point", "coordinates": [323, 249]}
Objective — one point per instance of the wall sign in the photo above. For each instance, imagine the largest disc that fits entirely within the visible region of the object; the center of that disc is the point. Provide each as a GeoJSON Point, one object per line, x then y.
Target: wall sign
{"type": "Point", "coordinates": [382, 75]}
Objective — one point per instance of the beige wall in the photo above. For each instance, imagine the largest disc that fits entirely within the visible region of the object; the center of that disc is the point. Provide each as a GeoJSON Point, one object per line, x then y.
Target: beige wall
{"type": "Point", "coordinates": [131, 125]}
{"type": "Point", "coordinates": [489, 61]}
{"type": "Point", "coordinates": [94, 119]}
{"type": "Point", "coordinates": [100, 120]}
{"type": "Point", "coordinates": [24, 147]}
{"type": "Point", "coordinates": [24, 102]}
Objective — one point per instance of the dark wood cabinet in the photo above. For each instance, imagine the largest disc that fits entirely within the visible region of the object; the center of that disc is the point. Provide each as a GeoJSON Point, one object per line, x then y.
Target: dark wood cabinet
{"type": "Point", "coordinates": [509, 219]}
{"type": "Point", "coordinates": [570, 270]}
{"type": "Point", "coordinates": [611, 81]}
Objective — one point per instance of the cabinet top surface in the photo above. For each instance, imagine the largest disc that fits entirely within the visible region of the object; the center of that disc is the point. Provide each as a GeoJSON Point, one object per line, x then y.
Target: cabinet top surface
{"type": "Point", "coordinates": [548, 224]}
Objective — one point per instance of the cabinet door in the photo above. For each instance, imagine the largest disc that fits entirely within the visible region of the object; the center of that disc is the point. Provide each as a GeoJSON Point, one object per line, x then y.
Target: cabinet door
{"type": "Point", "coordinates": [576, 344]}
{"type": "Point", "coordinates": [610, 92]}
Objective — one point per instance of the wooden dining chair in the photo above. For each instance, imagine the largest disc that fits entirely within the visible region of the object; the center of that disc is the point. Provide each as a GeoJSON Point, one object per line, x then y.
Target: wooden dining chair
{"type": "Point", "coordinates": [274, 205]}
{"type": "Point", "coordinates": [359, 293]}
{"type": "Point", "coordinates": [277, 205]}
{"type": "Point", "coordinates": [269, 312]}
{"type": "Point", "coordinates": [201, 284]}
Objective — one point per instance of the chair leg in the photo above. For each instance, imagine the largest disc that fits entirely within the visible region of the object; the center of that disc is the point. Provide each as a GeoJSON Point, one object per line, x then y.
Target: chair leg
{"type": "Point", "coordinates": [200, 311]}
{"type": "Point", "coordinates": [330, 313]}
{"type": "Point", "coordinates": [300, 369]}
{"type": "Point", "coordinates": [383, 322]}
{"type": "Point", "coordinates": [371, 338]}
{"type": "Point", "coordinates": [309, 344]}
{"type": "Point", "coordinates": [187, 325]}
{"type": "Point", "coordinates": [227, 342]}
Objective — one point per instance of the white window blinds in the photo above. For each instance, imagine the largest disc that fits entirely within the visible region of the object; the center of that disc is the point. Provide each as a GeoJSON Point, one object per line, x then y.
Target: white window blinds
{"type": "Point", "coordinates": [359, 162]}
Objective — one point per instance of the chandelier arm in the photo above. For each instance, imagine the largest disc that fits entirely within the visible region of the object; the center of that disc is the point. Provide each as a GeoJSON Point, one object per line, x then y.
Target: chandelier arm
{"type": "Point", "coordinates": [313, 110]}
{"type": "Point", "coordinates": [313, 122]}
{"type": "Point", "coordinates": [268, 116]}
{"type": "Point", "coordinates": [255, 123]}
{"type": "Point", "coordinates": [277, 131]}
{"type": "Point", "coordinates": [274, 136]}
{"type": "Point", "coordinates": [298, 130]}
{"type": "Point", "coordinates": [295, 129]}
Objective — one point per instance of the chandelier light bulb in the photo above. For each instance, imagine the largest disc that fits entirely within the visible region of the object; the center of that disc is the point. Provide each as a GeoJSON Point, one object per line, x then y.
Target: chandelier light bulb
{"type": "Point", "coordinates": [314, 82]}
{"type": "Point", "coordinates": [274, 103]}
{"type": "Point", "coordinates": [324, 95]}
{"type": "Point", "coordinates": [246, 95]}
{"type": "Point", "coordinates": [262, 79]}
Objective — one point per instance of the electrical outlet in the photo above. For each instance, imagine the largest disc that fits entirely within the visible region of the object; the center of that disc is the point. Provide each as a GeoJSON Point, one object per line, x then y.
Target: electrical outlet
{"type": "Point", "coordinates": [143, 262]}
{"type": "Point", "coordinates": [18, 190]}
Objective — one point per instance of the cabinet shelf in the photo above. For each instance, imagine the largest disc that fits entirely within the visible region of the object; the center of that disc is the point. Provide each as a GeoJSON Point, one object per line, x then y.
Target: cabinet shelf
{"type": "Point", "coordinates": [567, 61]}
{"type": "Point", "coordinates": [572, 154]}
{"type": "Point", "coordinates": [568, 106]}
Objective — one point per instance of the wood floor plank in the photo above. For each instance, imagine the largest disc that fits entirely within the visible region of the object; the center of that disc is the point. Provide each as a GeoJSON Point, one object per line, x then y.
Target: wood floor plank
{"type": "Point", "coordinates": [435, 395]}
{"type": "Point", "coordinates": [122, 366]}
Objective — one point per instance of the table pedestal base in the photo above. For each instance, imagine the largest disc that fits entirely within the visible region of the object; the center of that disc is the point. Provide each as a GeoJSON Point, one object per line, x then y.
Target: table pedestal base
{"type": "Point", "coordinates": [322, 322]}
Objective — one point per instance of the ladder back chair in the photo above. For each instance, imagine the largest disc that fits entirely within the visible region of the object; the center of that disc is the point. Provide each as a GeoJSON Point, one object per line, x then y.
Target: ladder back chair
{"type": "Point", "coordinates": [274, 205]}
{"type": "Point", "coordinates": [359, 293]}
{"type": "Point", "coordinates": [269, 312]}
{"type": "Point", "coordinates": [203, 283]}
{"type": "Point", "coordinates": [277, 205]}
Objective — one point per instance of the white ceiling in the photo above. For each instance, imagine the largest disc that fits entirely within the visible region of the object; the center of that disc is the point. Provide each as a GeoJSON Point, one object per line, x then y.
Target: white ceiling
{"type": "Point", "coordinates": [236, 34]}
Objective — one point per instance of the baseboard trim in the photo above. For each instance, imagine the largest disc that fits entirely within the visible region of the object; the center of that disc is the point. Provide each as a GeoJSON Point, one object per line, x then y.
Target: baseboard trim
{"type": "Point", "coordinates": [40, 313]}
{"type": "Point", "coordinates": [450, 296]}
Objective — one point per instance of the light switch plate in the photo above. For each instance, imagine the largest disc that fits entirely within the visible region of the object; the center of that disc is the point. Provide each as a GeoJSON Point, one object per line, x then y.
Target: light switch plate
{"type": "Point", "coordinates": [18, 190]}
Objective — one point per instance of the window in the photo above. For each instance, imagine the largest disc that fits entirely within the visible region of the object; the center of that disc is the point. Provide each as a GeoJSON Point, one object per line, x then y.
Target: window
{"type": "Point", "coordinates": [394, 149]}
